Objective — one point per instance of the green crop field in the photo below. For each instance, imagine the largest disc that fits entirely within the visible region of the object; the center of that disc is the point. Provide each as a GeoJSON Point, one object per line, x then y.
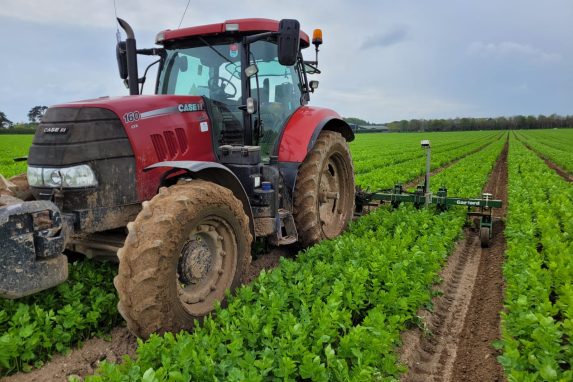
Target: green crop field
{"type": "Point", "coordinates": [336, 312]}
{"type": "Point", "coordinates": [13, 146]}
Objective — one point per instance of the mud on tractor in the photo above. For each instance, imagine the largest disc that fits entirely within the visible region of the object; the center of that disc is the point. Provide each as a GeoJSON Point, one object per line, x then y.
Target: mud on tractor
{"type": "Point", "coordinates": [178, 184]}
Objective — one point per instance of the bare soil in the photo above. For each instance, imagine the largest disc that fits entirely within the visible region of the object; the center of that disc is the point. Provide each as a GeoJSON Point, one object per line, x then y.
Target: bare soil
{"type": "Point", "coordinates": [82, 361]}
{"type": "Point", "coordinates": [268, 261]}
{"type": "Point", "coordinates": [456, 344]}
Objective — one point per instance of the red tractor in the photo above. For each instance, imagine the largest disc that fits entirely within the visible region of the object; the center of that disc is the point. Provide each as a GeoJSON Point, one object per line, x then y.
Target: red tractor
{"type": "Point", "coordinates": [226, 150]}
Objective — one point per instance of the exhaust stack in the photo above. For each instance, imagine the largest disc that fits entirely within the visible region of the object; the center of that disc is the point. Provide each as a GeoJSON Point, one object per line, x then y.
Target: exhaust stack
{"type": "Point", "coordinates": [131, 53]}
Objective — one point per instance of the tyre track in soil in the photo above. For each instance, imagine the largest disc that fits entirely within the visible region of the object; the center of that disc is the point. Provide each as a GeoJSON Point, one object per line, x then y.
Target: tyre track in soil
{"type": "Point", "coordinates": [85, 360]}
{"type": "Point", "coordinates": [465, 319]}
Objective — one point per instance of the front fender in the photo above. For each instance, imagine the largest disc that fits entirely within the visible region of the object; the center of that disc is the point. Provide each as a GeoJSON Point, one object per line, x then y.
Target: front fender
{"type": "Point", "coordinates": [212, 172]}
{"type": "Point", "coordinates": [303, 128]}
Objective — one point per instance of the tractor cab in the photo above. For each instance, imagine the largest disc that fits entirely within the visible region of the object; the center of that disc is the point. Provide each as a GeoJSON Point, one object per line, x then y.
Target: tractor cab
{"type": "Point", "coordinates": [250, 74]}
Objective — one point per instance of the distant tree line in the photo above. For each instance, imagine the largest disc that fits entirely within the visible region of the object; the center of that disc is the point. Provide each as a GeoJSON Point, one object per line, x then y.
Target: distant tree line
{"type": "Point", "coordinates": [20, 128]}
{"type": "Point", "coordinates": [518, 122]}
{"type": "Point", "coordinates": [34, 117]}
{"type": "Point", "coordinates": [552, 121]}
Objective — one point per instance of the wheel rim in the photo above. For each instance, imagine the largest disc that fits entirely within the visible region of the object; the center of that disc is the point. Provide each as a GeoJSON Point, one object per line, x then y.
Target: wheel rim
{"type": "Point", "coordinates": [206, 265]}
{"type": "Point", "coordinates": [332, 197]}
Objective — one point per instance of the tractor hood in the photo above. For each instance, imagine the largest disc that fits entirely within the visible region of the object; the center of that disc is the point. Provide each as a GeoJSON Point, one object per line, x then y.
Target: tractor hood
{"type": "Point", "coordinates": [131, 109]}
{"type": "Point", "coordinates": [147, 128]}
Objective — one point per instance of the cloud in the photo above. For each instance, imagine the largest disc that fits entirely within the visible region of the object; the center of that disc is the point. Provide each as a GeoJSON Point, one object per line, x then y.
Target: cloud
{"type": "Point", "coordinates": [390, 37]}
{"type": "Point", "coordinates": [511, 49]}
{"type": "Point", "coordinates": [437, 72]}
{"type": "Point", "coordinates": [382, 106]}
{"type": "Point", "coordinates": [141, 14]}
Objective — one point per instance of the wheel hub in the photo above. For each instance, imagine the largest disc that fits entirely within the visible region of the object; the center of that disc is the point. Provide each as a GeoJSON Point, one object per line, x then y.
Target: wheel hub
{"type": "Point", "coordinates": [204, 269]}
{"type": "Point", "coordinates": [195, 261]}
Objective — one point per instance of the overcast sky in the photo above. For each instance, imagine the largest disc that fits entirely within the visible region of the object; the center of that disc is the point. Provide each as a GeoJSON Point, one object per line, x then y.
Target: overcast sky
{"type": "Point", "coordinates": [381, 60]}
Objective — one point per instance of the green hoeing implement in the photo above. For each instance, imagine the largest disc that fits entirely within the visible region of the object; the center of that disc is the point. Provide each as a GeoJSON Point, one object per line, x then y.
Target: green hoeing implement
{"type": "Point", "coordinates": [481, 207]}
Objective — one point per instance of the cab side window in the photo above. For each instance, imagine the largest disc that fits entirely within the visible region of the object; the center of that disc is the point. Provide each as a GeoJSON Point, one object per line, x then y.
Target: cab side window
{"type": "Point", "coordinates": [279, 92]}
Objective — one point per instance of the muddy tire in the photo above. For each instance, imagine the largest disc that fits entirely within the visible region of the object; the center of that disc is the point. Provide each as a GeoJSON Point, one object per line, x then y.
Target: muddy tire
{"type": "Point", "coordinates": [187, 246]}
{"type": "Point", "coordinates": [324, 190]}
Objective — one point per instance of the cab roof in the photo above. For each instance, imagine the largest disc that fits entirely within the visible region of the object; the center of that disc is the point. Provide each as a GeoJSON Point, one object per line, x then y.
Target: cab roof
{"type": "Point", "coordinates": [242, 26]}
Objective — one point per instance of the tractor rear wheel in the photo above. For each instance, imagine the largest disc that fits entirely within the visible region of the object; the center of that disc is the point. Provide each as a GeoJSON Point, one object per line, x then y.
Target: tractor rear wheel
{"type": "Point", "coordinates": [187, 246]}
{"type": "Point", "coordinates": [324, 191]}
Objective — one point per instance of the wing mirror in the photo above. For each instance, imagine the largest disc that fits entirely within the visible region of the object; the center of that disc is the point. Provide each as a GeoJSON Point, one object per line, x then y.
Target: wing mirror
{"type": "Point", "coordinates": [121, 55]}
{"type": "Point", "coordinates": [288, 41]}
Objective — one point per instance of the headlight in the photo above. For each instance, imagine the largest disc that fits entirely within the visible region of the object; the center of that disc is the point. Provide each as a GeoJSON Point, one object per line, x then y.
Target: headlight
{"type": "Point", "coordinates": [69, 177]}
{"type": "Point", "coordinates": [35, 177]}
{"type": "Point", "coordinates": [79, 176]}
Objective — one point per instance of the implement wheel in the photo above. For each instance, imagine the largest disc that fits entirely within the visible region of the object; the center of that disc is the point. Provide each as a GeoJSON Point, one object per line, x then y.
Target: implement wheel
{"type": "Point", "coordinates": [324, 190]}
{"type": "Point", "coordinates": [187, 246]}
{"type": "Point", "coordinates": [484, 236]}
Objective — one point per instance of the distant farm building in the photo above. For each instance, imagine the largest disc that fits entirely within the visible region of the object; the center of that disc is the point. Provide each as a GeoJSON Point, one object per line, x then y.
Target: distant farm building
{"type": "Point", "coordinates": [369, 128]}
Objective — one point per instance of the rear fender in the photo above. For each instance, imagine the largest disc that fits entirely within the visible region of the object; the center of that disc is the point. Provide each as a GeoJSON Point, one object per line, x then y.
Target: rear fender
{"type": "Point", "coordinates": [303, 128]}
{"type": "Point", "coordinates": [209, 171]}
{"type": "Point", "coordinates": [300, 135]}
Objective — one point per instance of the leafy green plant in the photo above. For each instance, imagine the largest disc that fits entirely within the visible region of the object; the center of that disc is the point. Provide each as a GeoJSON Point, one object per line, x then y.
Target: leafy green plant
{"type": "Point", "coordinates": [33, 328]}
{"type": "Point", "coordinates": [555, 145]}
{"type": "Point", "coordinates": [538, 318]}
{"type": "Point", "coordinates": [398, 162]}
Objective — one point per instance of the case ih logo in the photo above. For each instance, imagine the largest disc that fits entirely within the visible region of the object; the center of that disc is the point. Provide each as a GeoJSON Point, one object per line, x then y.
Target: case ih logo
{"type": "Point", "coordinates": [55, 130]}
{"type": "Point", "coordinates": [184, 107]}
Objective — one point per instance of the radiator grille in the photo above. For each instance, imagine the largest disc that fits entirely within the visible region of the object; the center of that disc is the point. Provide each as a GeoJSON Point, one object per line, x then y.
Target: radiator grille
{"type": "Point", "coordinates": [171, 143]}
{"type": "Point", "coordinates": [182, 138]}
{"type": "Point", "coordinates": [159, 146]}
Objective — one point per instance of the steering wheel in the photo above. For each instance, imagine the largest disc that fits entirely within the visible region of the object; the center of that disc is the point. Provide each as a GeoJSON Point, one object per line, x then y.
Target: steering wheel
{"type": "Point", "coordinates": [220, 84]}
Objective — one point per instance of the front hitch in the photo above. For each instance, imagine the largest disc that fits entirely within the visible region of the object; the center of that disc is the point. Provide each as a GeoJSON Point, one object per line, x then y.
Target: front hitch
{"type": "Point", "coordinates": [32, 238]}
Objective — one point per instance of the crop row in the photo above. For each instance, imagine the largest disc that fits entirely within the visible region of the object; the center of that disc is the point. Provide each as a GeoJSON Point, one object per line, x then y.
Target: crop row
{"type": "Point", "coordinates": [371, 152]}
{"type": "Point", "coordinates": [368, 157]}
{"type": "Point", "coordinates": [384, 177]}
{"type": "Point", "coordinates": [556, 146]}
{"type": "Point", "coordinates": [561, 139]}
{"type": "Point", "coordinates": [333, 314]}
{"type": "Point", "coordinates": [33, 328]}
{"type": "Point", "coordinates": [537, 324]}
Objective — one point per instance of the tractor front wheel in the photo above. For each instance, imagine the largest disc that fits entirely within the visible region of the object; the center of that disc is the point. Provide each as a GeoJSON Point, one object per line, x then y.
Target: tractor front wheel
{"type": "Point", "coordinates": [324, 190]}
{"type": "Point", "coordinates": [187, 246]}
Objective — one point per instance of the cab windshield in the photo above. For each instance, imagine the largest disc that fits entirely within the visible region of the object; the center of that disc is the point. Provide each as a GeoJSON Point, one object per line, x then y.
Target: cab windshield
{"type": "Point", "coordinates": [209, 71]}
